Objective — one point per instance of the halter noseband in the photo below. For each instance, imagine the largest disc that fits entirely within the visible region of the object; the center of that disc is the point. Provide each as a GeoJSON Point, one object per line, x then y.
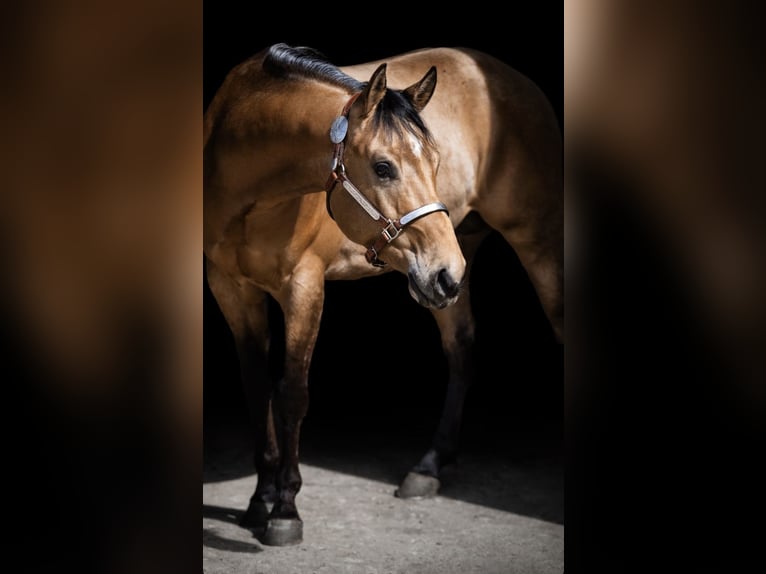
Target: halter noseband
{"type": "Point", "coordinates": [389, 228]}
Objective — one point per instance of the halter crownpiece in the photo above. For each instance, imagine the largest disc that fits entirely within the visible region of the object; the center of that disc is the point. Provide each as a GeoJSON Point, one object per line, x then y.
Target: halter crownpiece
{"type": "Point", "coordinates": [390, 229]}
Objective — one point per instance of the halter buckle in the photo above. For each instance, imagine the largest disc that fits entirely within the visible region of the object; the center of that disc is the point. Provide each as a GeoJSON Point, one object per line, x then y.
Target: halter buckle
{"type": "Point", "coordinates": [391, 231]}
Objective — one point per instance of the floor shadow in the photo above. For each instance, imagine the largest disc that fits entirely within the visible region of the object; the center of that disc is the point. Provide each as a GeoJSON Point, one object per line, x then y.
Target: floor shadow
{"type": "Point", "coordinates": [212, 539]}
{"type": "Point", "coordinates": [517, 474]}
{"type": "Point", "coordinates": [222, 513]}
{"type": "Point", "coordinates": [524, 477]}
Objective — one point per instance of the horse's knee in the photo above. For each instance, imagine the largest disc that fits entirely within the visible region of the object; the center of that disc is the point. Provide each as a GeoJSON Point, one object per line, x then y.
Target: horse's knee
{"type": "Point", "coordinates": [462, 338]}
{"type": "Point", "coordinates": [267, 457]}
{"type": "Point", "coordinates": [292, 400]}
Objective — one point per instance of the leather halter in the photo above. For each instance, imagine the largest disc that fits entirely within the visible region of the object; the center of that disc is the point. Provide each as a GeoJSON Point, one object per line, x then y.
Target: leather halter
{"type": "Point", "coordinates": [390, 229]}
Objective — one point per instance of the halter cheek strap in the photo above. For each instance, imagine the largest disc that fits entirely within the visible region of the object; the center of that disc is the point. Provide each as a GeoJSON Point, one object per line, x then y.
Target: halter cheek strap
{"type": "Point", "coordinates": [390, 229]}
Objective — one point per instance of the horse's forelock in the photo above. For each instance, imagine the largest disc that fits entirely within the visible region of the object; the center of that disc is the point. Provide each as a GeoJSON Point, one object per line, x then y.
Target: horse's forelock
{"type": "Point", "coordinates": [396, 114]}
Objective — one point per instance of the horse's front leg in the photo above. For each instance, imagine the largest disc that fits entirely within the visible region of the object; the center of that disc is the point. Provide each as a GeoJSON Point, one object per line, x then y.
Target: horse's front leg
{"type": "Point", "coordinates": [456, 326]}
{"type": "Point", "coordinates": [245, 309]}
{"type": "Point", "coordinates": [302, 304]}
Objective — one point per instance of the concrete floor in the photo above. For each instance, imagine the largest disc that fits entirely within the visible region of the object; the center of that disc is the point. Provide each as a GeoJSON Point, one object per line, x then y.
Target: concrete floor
{"type": "Point", "coordinates": [498, 512]}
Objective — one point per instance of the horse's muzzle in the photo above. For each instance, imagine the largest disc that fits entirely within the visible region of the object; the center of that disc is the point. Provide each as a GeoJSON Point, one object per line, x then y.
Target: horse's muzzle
{"type": "Point", "coordinates": [438, 290]}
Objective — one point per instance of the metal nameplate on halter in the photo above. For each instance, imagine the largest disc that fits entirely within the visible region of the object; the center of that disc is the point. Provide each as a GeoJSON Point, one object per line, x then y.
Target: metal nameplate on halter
{"type": "Point", "coordinates": [338, 129]}
{"type": "Point", "coordinates": [361, 200]}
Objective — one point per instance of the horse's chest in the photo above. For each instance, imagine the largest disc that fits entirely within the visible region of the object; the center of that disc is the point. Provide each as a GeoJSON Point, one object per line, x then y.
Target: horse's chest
{"type": "Point", "coordinates": [264, 246]}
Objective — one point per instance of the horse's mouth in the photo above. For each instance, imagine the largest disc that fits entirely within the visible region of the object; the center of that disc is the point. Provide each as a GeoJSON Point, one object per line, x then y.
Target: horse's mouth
{"type": "Point", "coordinates": [428, 301]}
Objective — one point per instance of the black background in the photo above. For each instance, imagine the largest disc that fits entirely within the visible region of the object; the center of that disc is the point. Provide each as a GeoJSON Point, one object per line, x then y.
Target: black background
{"type": "Point", "coordinates": [363, 382]}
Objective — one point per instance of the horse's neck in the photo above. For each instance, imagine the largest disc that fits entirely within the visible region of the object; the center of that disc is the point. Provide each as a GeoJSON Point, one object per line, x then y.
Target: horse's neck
{"type": "Point", "coordinates": [299, 153]}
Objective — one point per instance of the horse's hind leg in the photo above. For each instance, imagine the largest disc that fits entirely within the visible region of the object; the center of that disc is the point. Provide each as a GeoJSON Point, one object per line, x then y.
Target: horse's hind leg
{"type": "Point", "coordinates": [536, 234]}
{"type": "Point", "coordinates": [302, 302]}
{"type": "Point", "coordinates": [245, 309]}
{"type": "Point", "coordinates": [543, 261]}
{"type": "Point", "coordinates": [456, 326]}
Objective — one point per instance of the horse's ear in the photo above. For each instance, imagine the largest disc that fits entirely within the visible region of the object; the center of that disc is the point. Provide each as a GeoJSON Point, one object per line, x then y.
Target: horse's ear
{"type": "Point", "coordinates": [420, 92]}
{"type": "Point", "coordinates": [375, 89]}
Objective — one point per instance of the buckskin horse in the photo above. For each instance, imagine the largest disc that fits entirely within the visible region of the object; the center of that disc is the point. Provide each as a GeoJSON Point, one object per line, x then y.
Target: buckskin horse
{"type": "Point", "coordinates": [314, 172]}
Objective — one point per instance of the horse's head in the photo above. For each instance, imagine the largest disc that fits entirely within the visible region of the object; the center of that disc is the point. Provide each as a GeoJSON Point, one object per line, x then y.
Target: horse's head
{"type": "Point", "coordinates": [392, 160]}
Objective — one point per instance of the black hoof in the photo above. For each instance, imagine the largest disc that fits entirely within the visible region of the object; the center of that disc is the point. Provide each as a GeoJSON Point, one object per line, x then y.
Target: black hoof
{"type": "Point", "coordinates": [416, 485]}
{"type": "Point", "coordinates": [256, 516]}
{"type": "Point", "coordinates": [283, 532]}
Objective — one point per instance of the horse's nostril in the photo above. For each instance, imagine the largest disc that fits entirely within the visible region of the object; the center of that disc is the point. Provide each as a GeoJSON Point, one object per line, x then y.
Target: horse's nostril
{"type": "Point", "coordinates": [447, 284]}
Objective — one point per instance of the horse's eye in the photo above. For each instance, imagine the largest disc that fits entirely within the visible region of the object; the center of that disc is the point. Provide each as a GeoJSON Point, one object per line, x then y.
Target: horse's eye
{"type": "Point", "coordinates": [383, 170]}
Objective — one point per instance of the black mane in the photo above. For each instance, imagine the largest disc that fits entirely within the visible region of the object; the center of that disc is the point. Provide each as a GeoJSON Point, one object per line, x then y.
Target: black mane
{"type": "Point", "coordinates": [394, 113]}
{"type": "Point", "coordinates": [283, 60]}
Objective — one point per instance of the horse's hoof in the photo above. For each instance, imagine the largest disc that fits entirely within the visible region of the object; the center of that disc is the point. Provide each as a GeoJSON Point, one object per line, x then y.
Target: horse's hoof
{"type": "Point", "coordinates": [416, 485]}
{"type": "Point", "coordinates": [256, 516]}
{"type": "Point", "coordinates": [283, 532]}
